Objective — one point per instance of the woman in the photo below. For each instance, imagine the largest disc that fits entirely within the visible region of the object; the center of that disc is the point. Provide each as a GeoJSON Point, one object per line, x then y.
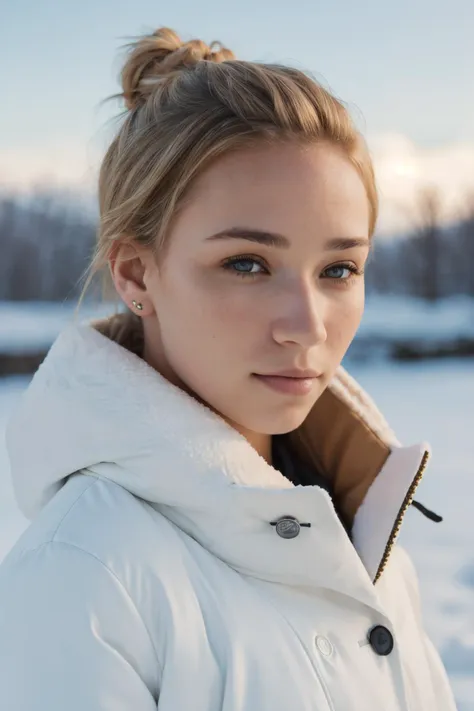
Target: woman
{"type": "Point", "coordinates": [215, 501]}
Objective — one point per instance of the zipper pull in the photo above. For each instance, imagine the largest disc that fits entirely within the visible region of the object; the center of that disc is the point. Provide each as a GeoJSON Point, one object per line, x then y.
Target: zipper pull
{"type": "Point", "coordinates": [427, 512]}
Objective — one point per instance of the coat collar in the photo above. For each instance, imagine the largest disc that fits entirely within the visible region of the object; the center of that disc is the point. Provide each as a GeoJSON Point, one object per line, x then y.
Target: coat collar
{"type": "Point", "coordinates": [94, 405]}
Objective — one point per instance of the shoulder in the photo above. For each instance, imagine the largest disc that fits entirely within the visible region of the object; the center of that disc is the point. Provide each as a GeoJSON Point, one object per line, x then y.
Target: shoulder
{"type": "Point", "coordinates": [99, 519]}
{"type": "Point", "coordinates": [63, 581]}
{"type": "Point", "coordinates": [97, 544]}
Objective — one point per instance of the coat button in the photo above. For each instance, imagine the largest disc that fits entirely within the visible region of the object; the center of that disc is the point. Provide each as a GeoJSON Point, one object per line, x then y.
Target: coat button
{"type": "Point", "coordinates": [324, 646]}
{"type": "Point", "coordinates": [381, 640]}
{"type": "Point", "coordinates": [287, 527]}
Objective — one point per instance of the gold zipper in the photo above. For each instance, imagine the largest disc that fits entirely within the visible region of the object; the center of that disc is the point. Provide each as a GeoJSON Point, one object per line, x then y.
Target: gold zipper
{"type": "Point", "coordinates": [403, 509]}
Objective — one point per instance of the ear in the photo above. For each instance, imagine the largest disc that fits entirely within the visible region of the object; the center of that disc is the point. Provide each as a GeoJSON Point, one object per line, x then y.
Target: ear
{"type": "Point", "coordinates": [127, 264]}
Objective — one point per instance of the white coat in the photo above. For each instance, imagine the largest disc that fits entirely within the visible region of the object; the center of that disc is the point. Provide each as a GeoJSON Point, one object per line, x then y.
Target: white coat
{"type": "Point", "coordinates": [154, 573]}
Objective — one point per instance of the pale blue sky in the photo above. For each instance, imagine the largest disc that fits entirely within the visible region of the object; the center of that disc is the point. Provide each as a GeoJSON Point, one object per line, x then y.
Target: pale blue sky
{"type": "Point", "coordinates": [405, 67]}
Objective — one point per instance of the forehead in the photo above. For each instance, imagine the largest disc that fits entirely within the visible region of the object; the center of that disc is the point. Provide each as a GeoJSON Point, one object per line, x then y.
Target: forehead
{"type": "Point", "coordinates": [281, 187]}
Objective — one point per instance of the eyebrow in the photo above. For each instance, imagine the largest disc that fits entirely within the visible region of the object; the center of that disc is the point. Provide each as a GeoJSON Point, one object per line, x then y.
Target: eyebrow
{"type": "Point", "coordinates": [273, 239]}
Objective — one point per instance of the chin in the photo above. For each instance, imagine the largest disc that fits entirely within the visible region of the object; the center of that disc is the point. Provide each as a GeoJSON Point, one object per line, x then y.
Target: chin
{"type": "Point", "coordinates": [278, 422]}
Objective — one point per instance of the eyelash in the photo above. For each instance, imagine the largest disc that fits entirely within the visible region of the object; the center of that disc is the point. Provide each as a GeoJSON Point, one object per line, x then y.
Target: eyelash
{"type": "Point", "coordinates": [229, 263]}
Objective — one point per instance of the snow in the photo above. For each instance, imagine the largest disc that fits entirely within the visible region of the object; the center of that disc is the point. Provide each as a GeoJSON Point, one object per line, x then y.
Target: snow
{"type": "Point", "coordinates": [26, 327]}
{"type": "Point", "coordinates": [396, 316]}
{"type": "Point", "coordinates": [33, 326]}
{"type": "Point", "coordinates": [429, 400]}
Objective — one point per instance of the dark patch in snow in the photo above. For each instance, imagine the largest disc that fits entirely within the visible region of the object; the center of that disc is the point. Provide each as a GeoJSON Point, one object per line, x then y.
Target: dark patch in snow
{"type": "Point", "coordinates": [458, 657]}
{"type": "Point", "coordinates": [452, 608]}
{"type": "Point", "coordinates": [465, 576]}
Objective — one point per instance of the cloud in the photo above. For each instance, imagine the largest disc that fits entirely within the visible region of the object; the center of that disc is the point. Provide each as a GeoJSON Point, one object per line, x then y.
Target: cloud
{"type": "Point", "coordinates": [402, 169]}
{"type": "Point", "coordinates": [65, 165]}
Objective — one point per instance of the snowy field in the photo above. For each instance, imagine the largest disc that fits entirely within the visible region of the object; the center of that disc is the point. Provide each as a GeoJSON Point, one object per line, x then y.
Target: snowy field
{"type": "Point", "coordinates": [32, 326]}
{"type": "Point", "coordinates": [428, 400]}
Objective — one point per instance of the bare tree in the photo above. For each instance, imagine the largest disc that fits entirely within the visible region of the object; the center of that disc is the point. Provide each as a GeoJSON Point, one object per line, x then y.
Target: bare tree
{"type": "Point", "coordinates": [47, 239]}
{"type": "Point", "coordinates": [466, 246]}
{"type": "Point", "coordinates": [426, 246]}
{"type": "Point", "coordinates": [46, 246]}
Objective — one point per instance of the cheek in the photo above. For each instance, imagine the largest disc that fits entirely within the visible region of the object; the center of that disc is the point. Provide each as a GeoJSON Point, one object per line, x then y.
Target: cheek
{"type": "Point", "coordinates": [233, 323]}
{"type": "Point", "coordinates": [344, 319]}
{"type": "Point", "coordinates": [208, 312]}
{"type": "Point", "coordinates": [237, 306]}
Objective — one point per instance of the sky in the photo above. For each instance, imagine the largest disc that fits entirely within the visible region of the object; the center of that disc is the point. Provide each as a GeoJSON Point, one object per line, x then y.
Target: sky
{"type": "Point", "coordinates": [404, 69]}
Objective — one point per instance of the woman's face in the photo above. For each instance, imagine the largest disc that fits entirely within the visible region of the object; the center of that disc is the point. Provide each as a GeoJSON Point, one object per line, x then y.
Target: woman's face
{"type": "Point", "coordinates": [228, 304]}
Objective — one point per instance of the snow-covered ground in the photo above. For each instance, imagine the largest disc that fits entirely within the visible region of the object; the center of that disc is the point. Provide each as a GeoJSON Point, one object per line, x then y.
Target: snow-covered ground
{"type": "Point", "coordinates": [424, 401]}
{"type": "Point", "coordinates": [404, 317]}
{"type": "Point", "coordinates": [33, 326]}
{"type": "Point", "coordinates": [394, 325]}
{"type": "Point", "coordinates": [28, 327]}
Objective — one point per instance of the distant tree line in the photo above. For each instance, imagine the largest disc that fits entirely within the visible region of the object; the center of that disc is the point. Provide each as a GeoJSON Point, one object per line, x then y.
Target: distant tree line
{"type": "Point", "coordinates": [46, 245]}
{"type": "Point", "coordinates": [47, 242]}
{"type": "Point", "coordinates": [430, 262]}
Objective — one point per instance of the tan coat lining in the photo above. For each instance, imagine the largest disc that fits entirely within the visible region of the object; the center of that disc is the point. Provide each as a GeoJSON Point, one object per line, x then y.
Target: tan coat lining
{"type": "Point", "coordinates": [343, 448]}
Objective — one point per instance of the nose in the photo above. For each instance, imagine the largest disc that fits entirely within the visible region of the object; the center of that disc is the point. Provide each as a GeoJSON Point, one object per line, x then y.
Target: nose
{"type": "Point", "coordinates": [301, 317]}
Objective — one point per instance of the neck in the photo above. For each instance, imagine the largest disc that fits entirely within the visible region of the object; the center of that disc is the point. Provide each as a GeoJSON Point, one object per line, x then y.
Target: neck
{"type": "Point", "coordinates": [262, 443]}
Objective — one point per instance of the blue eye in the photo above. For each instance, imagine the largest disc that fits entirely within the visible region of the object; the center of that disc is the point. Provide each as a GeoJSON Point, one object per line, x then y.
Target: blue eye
{"type": "Point", "coordinates": [344, 268]}
{"type": "Point", "coordinates": [231, 265]}
{"type": "Point", "coordinates": [252, 267]}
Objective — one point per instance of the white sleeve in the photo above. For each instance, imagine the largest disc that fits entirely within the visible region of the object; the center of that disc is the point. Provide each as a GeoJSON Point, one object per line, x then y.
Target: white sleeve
{"type": "Point", "coordinates": [71, 637]}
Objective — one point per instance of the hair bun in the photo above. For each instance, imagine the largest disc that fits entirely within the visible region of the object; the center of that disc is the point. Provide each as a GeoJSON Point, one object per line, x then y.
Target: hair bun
{"type": "Point", "coordinates": [162, 54]}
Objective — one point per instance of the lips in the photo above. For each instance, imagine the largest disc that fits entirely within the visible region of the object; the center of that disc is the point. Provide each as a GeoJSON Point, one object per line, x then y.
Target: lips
{"type": "Point", "coordinates": [293, 373]}
{"type": "Point", "coordinates": [288, 385]}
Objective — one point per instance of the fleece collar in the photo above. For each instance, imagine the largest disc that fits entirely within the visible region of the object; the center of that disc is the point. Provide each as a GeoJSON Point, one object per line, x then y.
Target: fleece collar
{"type": "Point", "coordinates": [94, 405]}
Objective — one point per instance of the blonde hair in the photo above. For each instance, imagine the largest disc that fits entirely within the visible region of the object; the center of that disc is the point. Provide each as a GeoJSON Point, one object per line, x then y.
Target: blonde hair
{"type": "Point", "coordinates": [189, 103]}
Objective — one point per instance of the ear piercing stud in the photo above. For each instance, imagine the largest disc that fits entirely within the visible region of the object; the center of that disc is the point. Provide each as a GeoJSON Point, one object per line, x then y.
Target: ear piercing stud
{"type": "Point", "coordinates": [137, 305]}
